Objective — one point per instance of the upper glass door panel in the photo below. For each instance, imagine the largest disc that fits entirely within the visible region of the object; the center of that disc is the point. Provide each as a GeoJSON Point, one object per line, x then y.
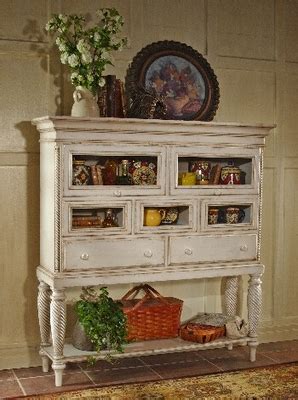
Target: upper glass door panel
{"type": "Point", "coordinates": [113, 170]}
{"type": "Point", "coordinates": [216, 171]}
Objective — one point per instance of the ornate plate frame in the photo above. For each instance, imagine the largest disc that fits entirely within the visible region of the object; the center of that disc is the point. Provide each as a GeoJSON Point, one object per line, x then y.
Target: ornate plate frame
{"type": "Point", "coordinates": [179, 75]}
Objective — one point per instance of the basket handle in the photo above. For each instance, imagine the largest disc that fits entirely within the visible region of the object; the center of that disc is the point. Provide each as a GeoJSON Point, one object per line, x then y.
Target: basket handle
{"type": "Point", "coordinates": [150, 293]}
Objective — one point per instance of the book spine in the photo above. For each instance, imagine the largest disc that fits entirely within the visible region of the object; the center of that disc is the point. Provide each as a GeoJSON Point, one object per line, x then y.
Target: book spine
{"type": "Point", "coordinates": [119, 99]}
{"type": "Point", "coordinates": [102, 101]}
{"type": "Point", "coordinates": [94, 175]}
{"type": "Point", "coordinates": [111, 87]}
{"type": "Point", "coordinates": [99, 174]}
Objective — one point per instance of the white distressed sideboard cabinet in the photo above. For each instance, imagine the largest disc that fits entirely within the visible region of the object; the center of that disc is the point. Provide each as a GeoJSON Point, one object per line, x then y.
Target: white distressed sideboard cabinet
{"type": "Point", "coordinates": [173, 165]}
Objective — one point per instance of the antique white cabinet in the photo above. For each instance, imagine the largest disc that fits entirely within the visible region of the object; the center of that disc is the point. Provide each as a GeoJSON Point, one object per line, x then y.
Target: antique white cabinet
{"type": "Point", "coordinates": [192, 248]}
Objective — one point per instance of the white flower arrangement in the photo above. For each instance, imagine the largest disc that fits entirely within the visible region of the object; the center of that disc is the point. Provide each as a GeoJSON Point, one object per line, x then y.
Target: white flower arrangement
{"type": "Point", "coordinates": [87, 51]}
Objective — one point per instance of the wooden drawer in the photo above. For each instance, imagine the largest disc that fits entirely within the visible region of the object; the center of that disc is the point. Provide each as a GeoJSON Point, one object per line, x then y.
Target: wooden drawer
{"type": "Point", "coordinates": [192, 249]}
{"type": "Point", "coordinates": [97, 254]}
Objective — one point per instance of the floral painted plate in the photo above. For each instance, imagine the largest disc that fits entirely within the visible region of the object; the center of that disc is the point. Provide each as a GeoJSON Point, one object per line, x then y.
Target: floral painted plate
{"type": "Point", "coordinates": [143, 173]}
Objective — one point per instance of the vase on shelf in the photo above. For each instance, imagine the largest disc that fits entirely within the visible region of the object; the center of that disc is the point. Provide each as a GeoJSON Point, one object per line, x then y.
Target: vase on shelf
{"type": "Point", "coordinates": [85, 103]}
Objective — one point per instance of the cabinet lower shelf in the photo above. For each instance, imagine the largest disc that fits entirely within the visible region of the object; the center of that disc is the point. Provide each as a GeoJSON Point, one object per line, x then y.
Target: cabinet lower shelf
{"type": "Point", "coordinates": [150, 347]}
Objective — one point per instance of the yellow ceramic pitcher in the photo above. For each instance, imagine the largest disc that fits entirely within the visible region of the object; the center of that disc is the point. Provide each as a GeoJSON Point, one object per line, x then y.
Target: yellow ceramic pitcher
{"type": "Point", "coordinates": [153, 216]}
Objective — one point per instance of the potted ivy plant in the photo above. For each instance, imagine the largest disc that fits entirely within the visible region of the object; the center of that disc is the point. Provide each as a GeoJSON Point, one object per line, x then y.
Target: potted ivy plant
{"type": "Point", "coordinates": [102, 320]}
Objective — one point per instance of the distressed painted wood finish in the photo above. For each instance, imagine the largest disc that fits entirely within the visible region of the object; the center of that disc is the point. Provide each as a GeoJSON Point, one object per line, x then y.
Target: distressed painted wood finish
{"type": "Point", "coordinates": [190, 250]}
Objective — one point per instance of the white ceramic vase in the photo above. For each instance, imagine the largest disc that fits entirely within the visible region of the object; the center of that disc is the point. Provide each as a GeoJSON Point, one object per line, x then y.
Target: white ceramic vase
{"type": "Point", "coordinates": [85, 104]}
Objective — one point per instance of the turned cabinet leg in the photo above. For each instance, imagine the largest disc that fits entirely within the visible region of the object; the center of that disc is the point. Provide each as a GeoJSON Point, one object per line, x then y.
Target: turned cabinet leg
{"type": "Point", "coordinates": [45, 362]}
{"type": "Point", "coordinates": [58, 326]}
{"type": "Point", "coordinates": [254, 303]}
{"type": "Point", "coordinates": [231, 295]}
{"type": "Point", "coordinates": [43, 307]}
{"type": "Point", "coordinates": [253, 351]}
{"type": "Point", "coordinates": [230, 346]}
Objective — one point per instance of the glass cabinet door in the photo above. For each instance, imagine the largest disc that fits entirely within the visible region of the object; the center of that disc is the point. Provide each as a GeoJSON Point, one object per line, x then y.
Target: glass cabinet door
{"type": "Point", "coordinates": [229, 213]}
{"type": "Point", "coordinates": [114, 170]}
{"type": "Point", "coordinates": [216, 171]}
{"type": "Point", "coordinates": [165, 216]}
{"type": "Point", "coordinates": [96, 218]}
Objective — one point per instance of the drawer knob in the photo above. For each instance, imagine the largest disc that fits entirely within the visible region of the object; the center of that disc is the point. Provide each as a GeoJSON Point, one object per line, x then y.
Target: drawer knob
{"type": "Point", "coordinates": [117, 193]}
{"type": "Point", "coordinates": [188, 251]}
{"type": "Point", "coordinates": [148, 253]}
{"type": "Point", "coordinates": [84, 256]}
{"type": "Point", "coordinates": [244, 247]}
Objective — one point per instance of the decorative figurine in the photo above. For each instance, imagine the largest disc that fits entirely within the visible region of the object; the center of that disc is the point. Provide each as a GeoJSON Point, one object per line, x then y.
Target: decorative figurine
{"type": "Point", "coordinates": [110, 219]}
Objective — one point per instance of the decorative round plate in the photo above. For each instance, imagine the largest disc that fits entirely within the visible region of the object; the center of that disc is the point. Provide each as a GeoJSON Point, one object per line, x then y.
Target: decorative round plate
{"type": "Point", "coordinates": [144, 174]}
{"type": "Point", "coordinates": [179, 75]}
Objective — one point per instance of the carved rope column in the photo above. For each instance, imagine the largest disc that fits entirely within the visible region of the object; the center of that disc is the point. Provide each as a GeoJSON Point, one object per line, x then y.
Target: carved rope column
{"type": "Point", "coordinates": [43, 304]}
{"type": "Point", "coordinates": [231, 295]}
{"type": "Point", "coordinates": [254, 302]}
{"type": "Point", "coordinates": [231, 298]}
{"type": "Point", "coordinates": [58, 326]}
{"type": "Point", "coordinates": [43, 307]}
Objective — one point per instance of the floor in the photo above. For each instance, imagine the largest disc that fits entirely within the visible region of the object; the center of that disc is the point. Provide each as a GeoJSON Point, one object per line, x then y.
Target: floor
{"type": "Point", "coordinates": [29, 381]}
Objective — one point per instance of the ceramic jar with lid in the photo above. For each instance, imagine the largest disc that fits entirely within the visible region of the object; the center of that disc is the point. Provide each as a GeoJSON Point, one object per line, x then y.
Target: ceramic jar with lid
{"type": "Point", "coordinates": [230, 175]}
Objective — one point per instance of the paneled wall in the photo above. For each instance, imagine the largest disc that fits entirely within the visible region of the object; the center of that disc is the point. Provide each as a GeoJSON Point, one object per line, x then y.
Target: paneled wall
{"type": "Point", "coordinates": [253, 49]}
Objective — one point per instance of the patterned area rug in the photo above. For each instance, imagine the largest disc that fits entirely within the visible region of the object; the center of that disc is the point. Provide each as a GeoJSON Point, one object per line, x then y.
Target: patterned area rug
{"type": "Point", "coordinates": [276, 382]}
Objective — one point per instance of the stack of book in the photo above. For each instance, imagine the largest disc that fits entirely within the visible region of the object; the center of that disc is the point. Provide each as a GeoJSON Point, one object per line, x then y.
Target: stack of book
{"type": "Point", "coordinates": [79, 221]}
{"type": "Point", "coordinates": [82, 218]}
{"type": "Point", "coordinates": [111, 98]}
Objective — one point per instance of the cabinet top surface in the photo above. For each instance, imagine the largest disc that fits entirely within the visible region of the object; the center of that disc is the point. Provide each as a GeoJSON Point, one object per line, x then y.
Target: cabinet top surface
{"type": "Point", "coordinates": [130, 125]}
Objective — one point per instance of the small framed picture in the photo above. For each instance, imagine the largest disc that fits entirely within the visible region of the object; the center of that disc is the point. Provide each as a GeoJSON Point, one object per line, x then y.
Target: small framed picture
{"type": "Point", "coordinates": [180, 76]}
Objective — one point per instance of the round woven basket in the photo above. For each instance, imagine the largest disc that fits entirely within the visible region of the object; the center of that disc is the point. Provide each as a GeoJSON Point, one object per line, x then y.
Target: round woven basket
{"type": "Point", "coordinates": [201, 333]}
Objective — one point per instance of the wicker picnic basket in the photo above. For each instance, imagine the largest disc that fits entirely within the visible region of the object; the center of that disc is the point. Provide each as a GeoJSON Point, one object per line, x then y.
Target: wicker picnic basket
{"type": "Point", "coordinates": [152, 316]}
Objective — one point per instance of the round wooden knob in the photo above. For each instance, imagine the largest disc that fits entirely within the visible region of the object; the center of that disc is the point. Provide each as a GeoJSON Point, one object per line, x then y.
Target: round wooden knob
{"type": "Point", "coordinates": [188, 251]}
{"type": "Point", "coordinates": [84, 256]}
{"type": "Point", "coordinates": [148, 253]}
{"type": "Point", "coordinates": [243, 247]}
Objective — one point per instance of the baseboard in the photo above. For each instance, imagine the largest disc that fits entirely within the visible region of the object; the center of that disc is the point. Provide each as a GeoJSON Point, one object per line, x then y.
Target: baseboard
{"type": "Point", "coordinates": [19, 356]}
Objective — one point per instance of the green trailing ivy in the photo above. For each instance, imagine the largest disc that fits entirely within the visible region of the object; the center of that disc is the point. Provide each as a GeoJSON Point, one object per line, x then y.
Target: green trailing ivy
{"type": "Point", "coordinates": [102, 319]}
